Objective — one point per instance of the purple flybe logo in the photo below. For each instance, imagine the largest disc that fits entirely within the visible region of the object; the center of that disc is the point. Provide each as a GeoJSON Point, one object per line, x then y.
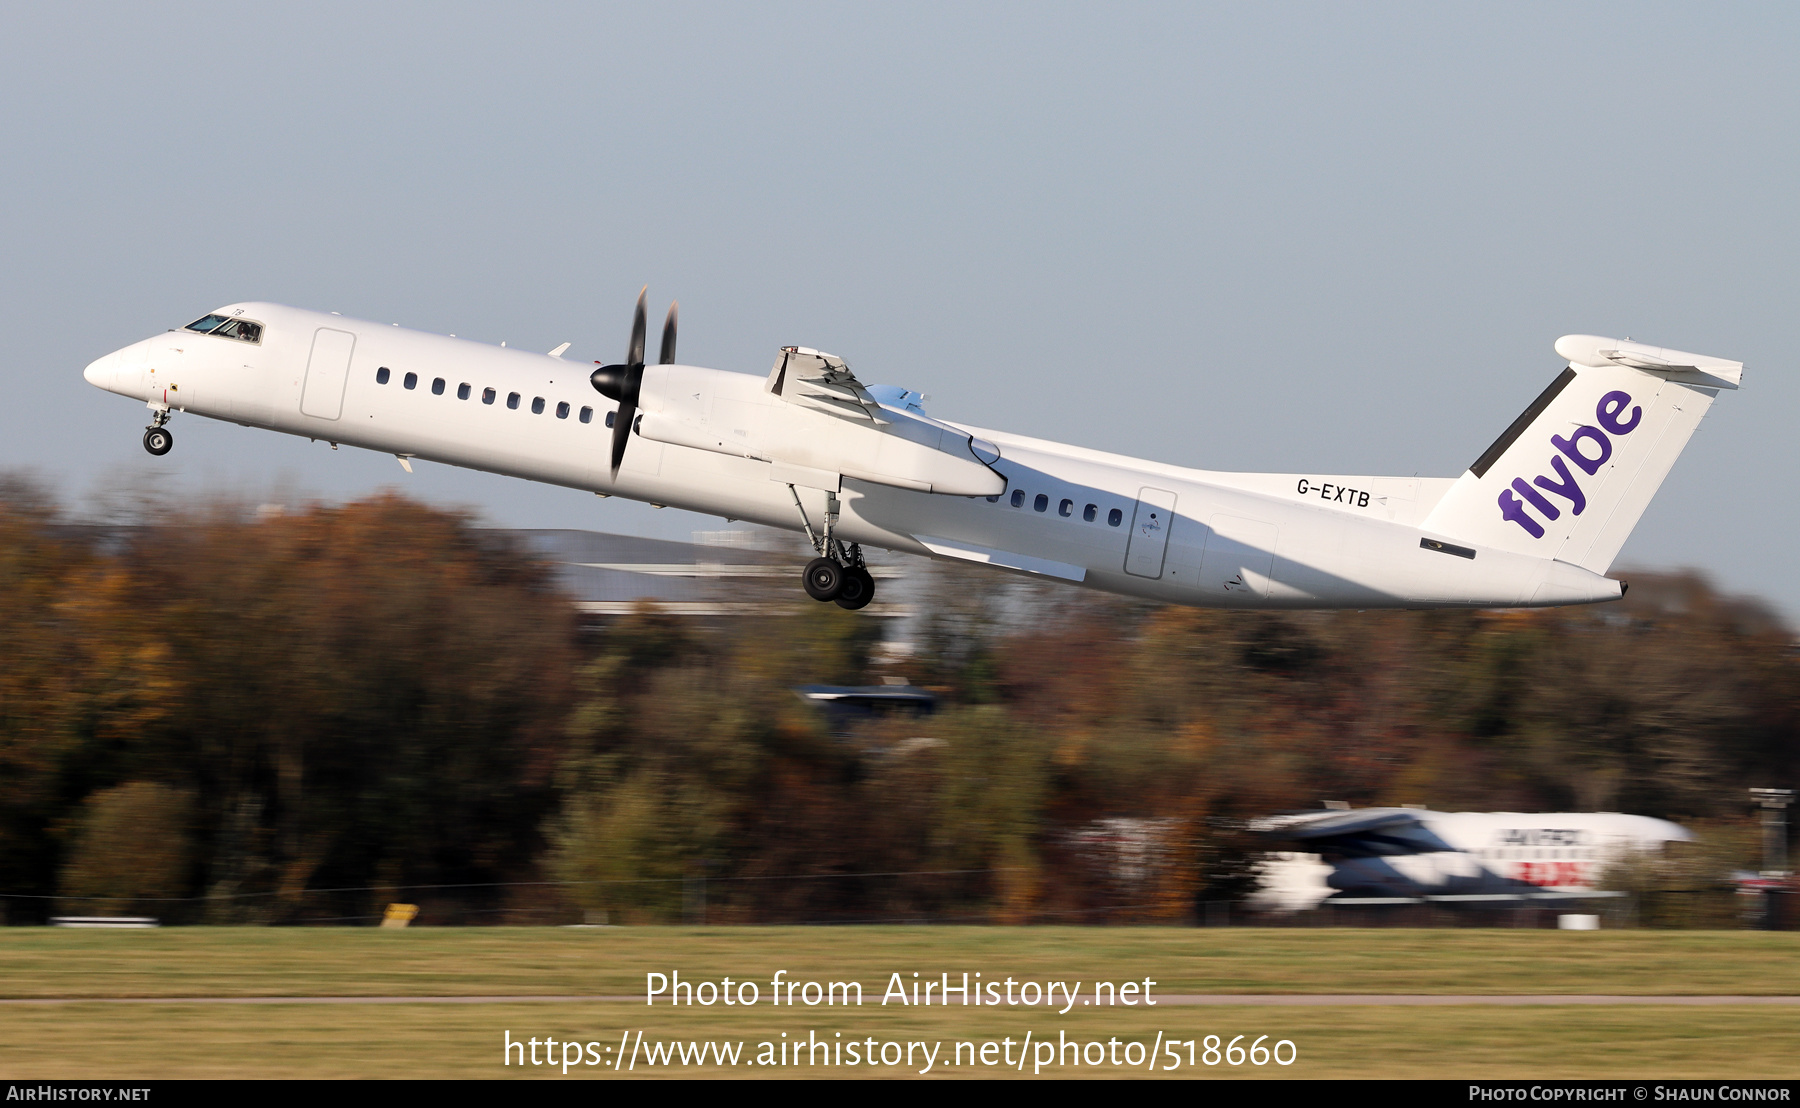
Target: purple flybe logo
{"type": "Point", "coordinates": [1588, 448]}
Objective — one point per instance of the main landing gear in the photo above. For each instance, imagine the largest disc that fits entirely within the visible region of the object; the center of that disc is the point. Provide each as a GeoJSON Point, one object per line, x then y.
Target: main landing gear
{"type": "Point", "coordinates": [158, 439]}
{"type": "Point", "coordinates": [838, 573]}
{"type": "Point", "coordinates": [842, 578]}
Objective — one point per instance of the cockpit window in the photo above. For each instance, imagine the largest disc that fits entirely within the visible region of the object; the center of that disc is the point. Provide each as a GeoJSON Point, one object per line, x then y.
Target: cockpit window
{"type": "Point", "coordinates": [241, 329]}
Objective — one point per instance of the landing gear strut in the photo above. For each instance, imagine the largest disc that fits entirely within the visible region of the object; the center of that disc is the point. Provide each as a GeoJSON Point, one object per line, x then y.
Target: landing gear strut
{"type": "Point", "coordinates": [838, 573]}
{"type": "Point", "coordinates": [158, 439]}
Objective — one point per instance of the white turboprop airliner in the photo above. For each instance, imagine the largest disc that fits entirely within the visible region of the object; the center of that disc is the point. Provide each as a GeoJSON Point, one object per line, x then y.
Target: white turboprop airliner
{"type": "Point", "coordinates": [1471, 856]}
{"type": "Point", "coordinates": [1537, 520]}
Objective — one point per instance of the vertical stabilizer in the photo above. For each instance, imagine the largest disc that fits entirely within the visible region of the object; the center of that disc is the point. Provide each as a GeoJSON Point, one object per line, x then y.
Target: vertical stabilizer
{"type": "Point", "coordinates": [1573, 474]}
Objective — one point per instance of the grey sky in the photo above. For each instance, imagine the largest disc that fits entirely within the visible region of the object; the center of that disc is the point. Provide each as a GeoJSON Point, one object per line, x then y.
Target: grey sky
{"type": "Point", "coordinates": [1335, 238]}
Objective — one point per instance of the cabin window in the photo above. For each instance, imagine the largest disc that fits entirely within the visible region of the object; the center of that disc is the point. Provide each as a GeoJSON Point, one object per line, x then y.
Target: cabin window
{"type": "Point", "coordinates": [1114, 518]}
{"type": "Point", "coordinates": [206, 324]}
{"type": "Point", "coordinates": [993, 500]}
{"type": "Point", "coordinates": [537, 405]}
{"type": "Point", "coordinates": [1066, 509]}
{"type": "Point", "coordinates": [610, 416]}
{"type": "Point", "coordinates": [562, 409]}
{"type": "Point", "coordinates": [512, 401]}
{"type": "Point", "coordinates": [437, 386]}
{"type": "Point", "coordinates": [1042, 503]}
{"type": "Point", "coordinates": [1088, 513]}
{"type": "Point", "coordinates": [382, 375]}
{"type": "Point", "coordinates": [587, 415]}
{"type": "Point", "coordinates": [411, 380]}
{"type": "Point", "coordinates": [487, 396]}
{"type": "Point", "coordinates": [1018, 498]}
{"type": "Point", "coordinates": [462, 391]}
{"type": "Point", "coordinates": [241, 329]}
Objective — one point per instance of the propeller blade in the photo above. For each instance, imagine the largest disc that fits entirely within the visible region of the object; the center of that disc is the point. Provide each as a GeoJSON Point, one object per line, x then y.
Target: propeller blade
{"type": "Point", "coordinates": [622, 383]}
{"type": "Point", "coordinates": [635, 354]}
{"type": "Point", "coordinates": [668, 343]}
{"type": "Point", "coordinates": [621, 433]}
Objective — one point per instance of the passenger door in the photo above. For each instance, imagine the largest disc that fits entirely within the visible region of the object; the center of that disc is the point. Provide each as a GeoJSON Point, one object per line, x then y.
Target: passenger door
{"type": "Point", "coordinates": [1149, 533]}
{"type": "Point", "coordinates": [326, 370]}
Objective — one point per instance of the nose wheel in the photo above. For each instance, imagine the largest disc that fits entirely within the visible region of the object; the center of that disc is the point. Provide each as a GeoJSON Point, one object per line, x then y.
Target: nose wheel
{"type": "Point", "coordinates": [158, 439]}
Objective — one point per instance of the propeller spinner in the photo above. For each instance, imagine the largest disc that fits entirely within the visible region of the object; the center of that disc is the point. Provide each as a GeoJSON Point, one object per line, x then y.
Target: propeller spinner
{"type": "Point", "coordinates": [621, 383]}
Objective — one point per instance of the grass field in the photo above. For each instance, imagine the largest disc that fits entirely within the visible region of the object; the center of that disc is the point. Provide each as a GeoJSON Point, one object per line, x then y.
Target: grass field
{"type": "Point", "coordinates": [96, 1039]}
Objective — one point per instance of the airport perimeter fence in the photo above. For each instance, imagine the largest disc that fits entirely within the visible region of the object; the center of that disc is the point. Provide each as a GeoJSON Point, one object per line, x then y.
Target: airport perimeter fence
{"type": "Point", "coordinates": [948, 896]}
{"type": "Point", "coordinates": [544, 903]}
{"type": "Point", "coordinates": [1717, 909]}
{"type": "Point", "coordinates": [1402, 912]}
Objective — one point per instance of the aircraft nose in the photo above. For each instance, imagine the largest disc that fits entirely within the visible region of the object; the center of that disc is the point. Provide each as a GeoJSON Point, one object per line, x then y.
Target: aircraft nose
{"type": "Point", "coordinates": [101, 371]}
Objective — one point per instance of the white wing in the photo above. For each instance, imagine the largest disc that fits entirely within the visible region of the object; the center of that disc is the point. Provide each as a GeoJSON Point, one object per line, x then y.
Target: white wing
{"type": "Point", "coordinates": [824, 383]}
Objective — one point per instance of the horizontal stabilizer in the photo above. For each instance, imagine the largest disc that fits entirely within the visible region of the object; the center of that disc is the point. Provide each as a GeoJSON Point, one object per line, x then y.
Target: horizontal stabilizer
{"type": "Point", "coordinates": [1675, 365]}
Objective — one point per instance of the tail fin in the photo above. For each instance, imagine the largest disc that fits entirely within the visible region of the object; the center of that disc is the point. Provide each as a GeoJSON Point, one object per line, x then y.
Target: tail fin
{"type": "Point", "coordinates": [1571, 477]}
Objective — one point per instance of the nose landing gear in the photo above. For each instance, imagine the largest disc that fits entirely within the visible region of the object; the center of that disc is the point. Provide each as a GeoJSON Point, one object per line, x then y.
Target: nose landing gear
{"type": "Point", "coordinates": [838, 573]}
{"type": "Point", "coordinates": [158, 439]}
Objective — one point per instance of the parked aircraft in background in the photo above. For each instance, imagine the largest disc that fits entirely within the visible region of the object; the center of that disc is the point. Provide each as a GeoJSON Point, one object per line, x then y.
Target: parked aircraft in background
{"type": "Point", "coordinates": [1536, 520]}
{"type": "Point", "coordinates": [1412, 853]}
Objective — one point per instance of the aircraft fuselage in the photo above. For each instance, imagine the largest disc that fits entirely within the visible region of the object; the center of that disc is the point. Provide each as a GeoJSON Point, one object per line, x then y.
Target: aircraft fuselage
{"type": "Point", "coordinates": [1110, 522]}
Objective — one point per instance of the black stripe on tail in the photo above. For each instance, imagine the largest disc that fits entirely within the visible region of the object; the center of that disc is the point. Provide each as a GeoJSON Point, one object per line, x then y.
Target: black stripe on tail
{"type": "Point", "coordinates": [1492, 454]}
